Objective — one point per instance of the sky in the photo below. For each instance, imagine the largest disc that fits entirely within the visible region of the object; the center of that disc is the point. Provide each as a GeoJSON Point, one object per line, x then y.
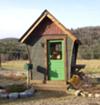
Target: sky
{"type": "Point", "coordinates": [16, 16]}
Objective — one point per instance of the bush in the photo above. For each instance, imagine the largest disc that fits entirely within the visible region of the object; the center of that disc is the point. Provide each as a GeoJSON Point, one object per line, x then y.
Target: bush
{"type": "Point", "coordinates": [16, 88]}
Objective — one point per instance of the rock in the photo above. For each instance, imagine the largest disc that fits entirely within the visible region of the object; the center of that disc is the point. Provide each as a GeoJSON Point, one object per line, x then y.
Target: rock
{"type": "Point", "coordinates": [97, 95]}
{"type": "Point", "coordinates": [22, 94]}
{"type": "Point", "coordinates": [86, 93]}
{"type": "Point", "coordinates": [82, 94]}
{"type": "Point", "coordinates": [13, 95]}
{"type": "Point", "coordinates": [4, 95]}
{"type": "Point", "coordinates": [90, 95]}
{"type": "Point", "coordinates": [30, 92]}
{"type": "Point", "coordinates": [77, 93]}
{"type": "Point", "coordinates": [2, 91]}
{"type": "Point", "coordinates": [70, 91]}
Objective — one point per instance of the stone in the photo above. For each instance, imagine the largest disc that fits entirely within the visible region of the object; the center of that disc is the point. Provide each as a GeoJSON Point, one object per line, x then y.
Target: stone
{"type": "Point", "coordinates": [77, 93]}
{"type": "Point", "coordinates": [90, 95]}
{"type": "Point", "coordinates": [82, 94]}
{"type": "Point", "coordinates": [4, 95]}
{"type": "Point", "coordinates": [97, 95]}
{"type": "Point", "coordinates": [30, 92]}
{"type": "Point", "coordinates": [13, 95]}
{"type": "Point", "coordinates": [2, 91]}
{"type": "Point", "coordinates": [22, 94]}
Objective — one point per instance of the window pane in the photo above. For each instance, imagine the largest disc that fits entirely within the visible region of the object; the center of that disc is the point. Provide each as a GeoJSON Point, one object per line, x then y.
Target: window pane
{"type": "Point", "coordinates": [56, 50]}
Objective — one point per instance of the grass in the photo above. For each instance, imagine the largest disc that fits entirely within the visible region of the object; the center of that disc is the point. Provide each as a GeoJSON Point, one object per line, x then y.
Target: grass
{"type": "Point", "coordinates": [92, 66]}
{"type": "Point", "coordinates": [14, 65]}
{"type": "Point", "coordinates": [51, 97]}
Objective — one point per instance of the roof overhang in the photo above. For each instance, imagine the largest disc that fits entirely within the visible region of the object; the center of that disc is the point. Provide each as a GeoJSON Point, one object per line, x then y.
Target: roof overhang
{"type": "Point", "coordinates": [53, 19]}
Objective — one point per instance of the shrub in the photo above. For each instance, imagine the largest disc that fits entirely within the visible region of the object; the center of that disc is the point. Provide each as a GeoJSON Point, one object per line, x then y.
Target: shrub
{"type": "Point", "coordinates": [16, 88]}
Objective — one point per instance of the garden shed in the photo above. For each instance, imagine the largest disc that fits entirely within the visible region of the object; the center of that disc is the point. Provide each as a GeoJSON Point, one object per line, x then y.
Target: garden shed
{"type": "Point", "coordinates": [52, 50]}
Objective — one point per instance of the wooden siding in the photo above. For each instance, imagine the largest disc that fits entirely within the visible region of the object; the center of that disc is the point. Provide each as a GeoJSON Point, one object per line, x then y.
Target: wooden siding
{"type": "Point", "coordinates": [69, 55]}
{"type": "Point", "coordinates": [52, 29]}
{"type": "Point", "coordinates": [38, 59]}
{"type": "Point", "coordinates": [46, 27]}
{"type": "Point", "coordinates": [50, 85]}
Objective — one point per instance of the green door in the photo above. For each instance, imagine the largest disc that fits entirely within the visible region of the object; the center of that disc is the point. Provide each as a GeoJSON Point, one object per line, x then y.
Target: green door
{"type": "Point", "coordinates": [56, 59]}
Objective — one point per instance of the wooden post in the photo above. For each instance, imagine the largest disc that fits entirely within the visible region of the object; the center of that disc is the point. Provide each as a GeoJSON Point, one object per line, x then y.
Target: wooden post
{"type": "Point", "coordinates": [28, 68]}
{"type": "Point", "coordinates": [28, 78]}
{"type": "Point", "coordinates": [30, 61]}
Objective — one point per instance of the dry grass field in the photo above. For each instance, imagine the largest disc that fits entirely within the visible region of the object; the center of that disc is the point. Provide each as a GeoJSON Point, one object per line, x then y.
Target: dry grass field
{"type": "Point", "coordinates": [14, 65]}
{"type": "Point", "coordinates": [92, 66]}
{"type": "Point", "coordinates": [52, 98]}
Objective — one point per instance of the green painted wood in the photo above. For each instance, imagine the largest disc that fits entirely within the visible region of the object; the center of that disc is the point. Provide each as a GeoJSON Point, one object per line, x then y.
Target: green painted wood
{"type": "Point", "coordinates": [56, 66]}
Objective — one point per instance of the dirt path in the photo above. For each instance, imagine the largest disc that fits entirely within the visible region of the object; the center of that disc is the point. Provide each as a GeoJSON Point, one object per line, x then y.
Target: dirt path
{"type": "Point", "coordinates": [52, 98]}
{"type": "Point", "coordinates": [49, 98]}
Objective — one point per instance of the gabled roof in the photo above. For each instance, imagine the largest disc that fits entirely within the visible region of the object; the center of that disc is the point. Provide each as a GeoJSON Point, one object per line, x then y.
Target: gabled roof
{"type": "Point", "coordinates": [37, 22]}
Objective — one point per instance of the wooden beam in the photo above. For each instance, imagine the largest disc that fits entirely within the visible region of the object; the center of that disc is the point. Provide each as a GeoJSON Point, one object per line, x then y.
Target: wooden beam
{"type": "Point", "coordinates": [33, 28]}
{"type": "Point", "coordinates": [53, 19]}
{"type": "Point", "coordinates": [30, 74]}
{"type": "Point", "coordinates": [46, 62]}
{"type": "Point", "coordinates": [50, 85]}
{"type": "Point", "coordinates": [65, 59]}
{"type": "Point", "coordinates": [57, 82]}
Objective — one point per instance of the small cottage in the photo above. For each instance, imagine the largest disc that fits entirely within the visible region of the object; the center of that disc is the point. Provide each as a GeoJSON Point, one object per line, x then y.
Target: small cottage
{"type": "Point", "coordinates": [52, 50]}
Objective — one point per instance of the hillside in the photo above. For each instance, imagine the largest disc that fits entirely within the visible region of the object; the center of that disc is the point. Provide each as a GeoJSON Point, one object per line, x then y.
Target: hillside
{"type": "Point", "coordinates": [12, 49]}
{"type": "Point", "coordinates": [90, 39]}
{"type": "Point", "coordinates": [89, 49]}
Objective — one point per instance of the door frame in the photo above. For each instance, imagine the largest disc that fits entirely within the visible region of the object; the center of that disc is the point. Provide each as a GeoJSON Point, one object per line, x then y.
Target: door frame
{"type": "Point", "coordinates": [55, 61]}
{"type": "Point", "coordinates": [56, 37]}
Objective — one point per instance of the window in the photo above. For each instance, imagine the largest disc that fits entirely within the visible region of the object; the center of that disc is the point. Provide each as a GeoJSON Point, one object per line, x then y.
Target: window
{"type": "Point", "coordinates": [56, 50]}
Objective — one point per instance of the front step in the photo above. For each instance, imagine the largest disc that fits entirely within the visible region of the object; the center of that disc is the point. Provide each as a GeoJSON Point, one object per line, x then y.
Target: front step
{"type": "Point", "coordinates": [49, 85]}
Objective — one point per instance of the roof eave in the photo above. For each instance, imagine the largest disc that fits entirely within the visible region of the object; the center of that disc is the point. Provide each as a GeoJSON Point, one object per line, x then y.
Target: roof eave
{"type": "Point", "coordinates": [41, 17]}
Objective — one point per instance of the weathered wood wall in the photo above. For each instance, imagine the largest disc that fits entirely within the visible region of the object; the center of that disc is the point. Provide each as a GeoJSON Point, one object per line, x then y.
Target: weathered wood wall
{"type": "Point", "coordinates": [38, 59]}
{"type": "Point", "coordinates": [69, 55]}
{"type": "Point", "coordinates": [46, 27]}
{"type": "Point", "coordinates": [37, 51]}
